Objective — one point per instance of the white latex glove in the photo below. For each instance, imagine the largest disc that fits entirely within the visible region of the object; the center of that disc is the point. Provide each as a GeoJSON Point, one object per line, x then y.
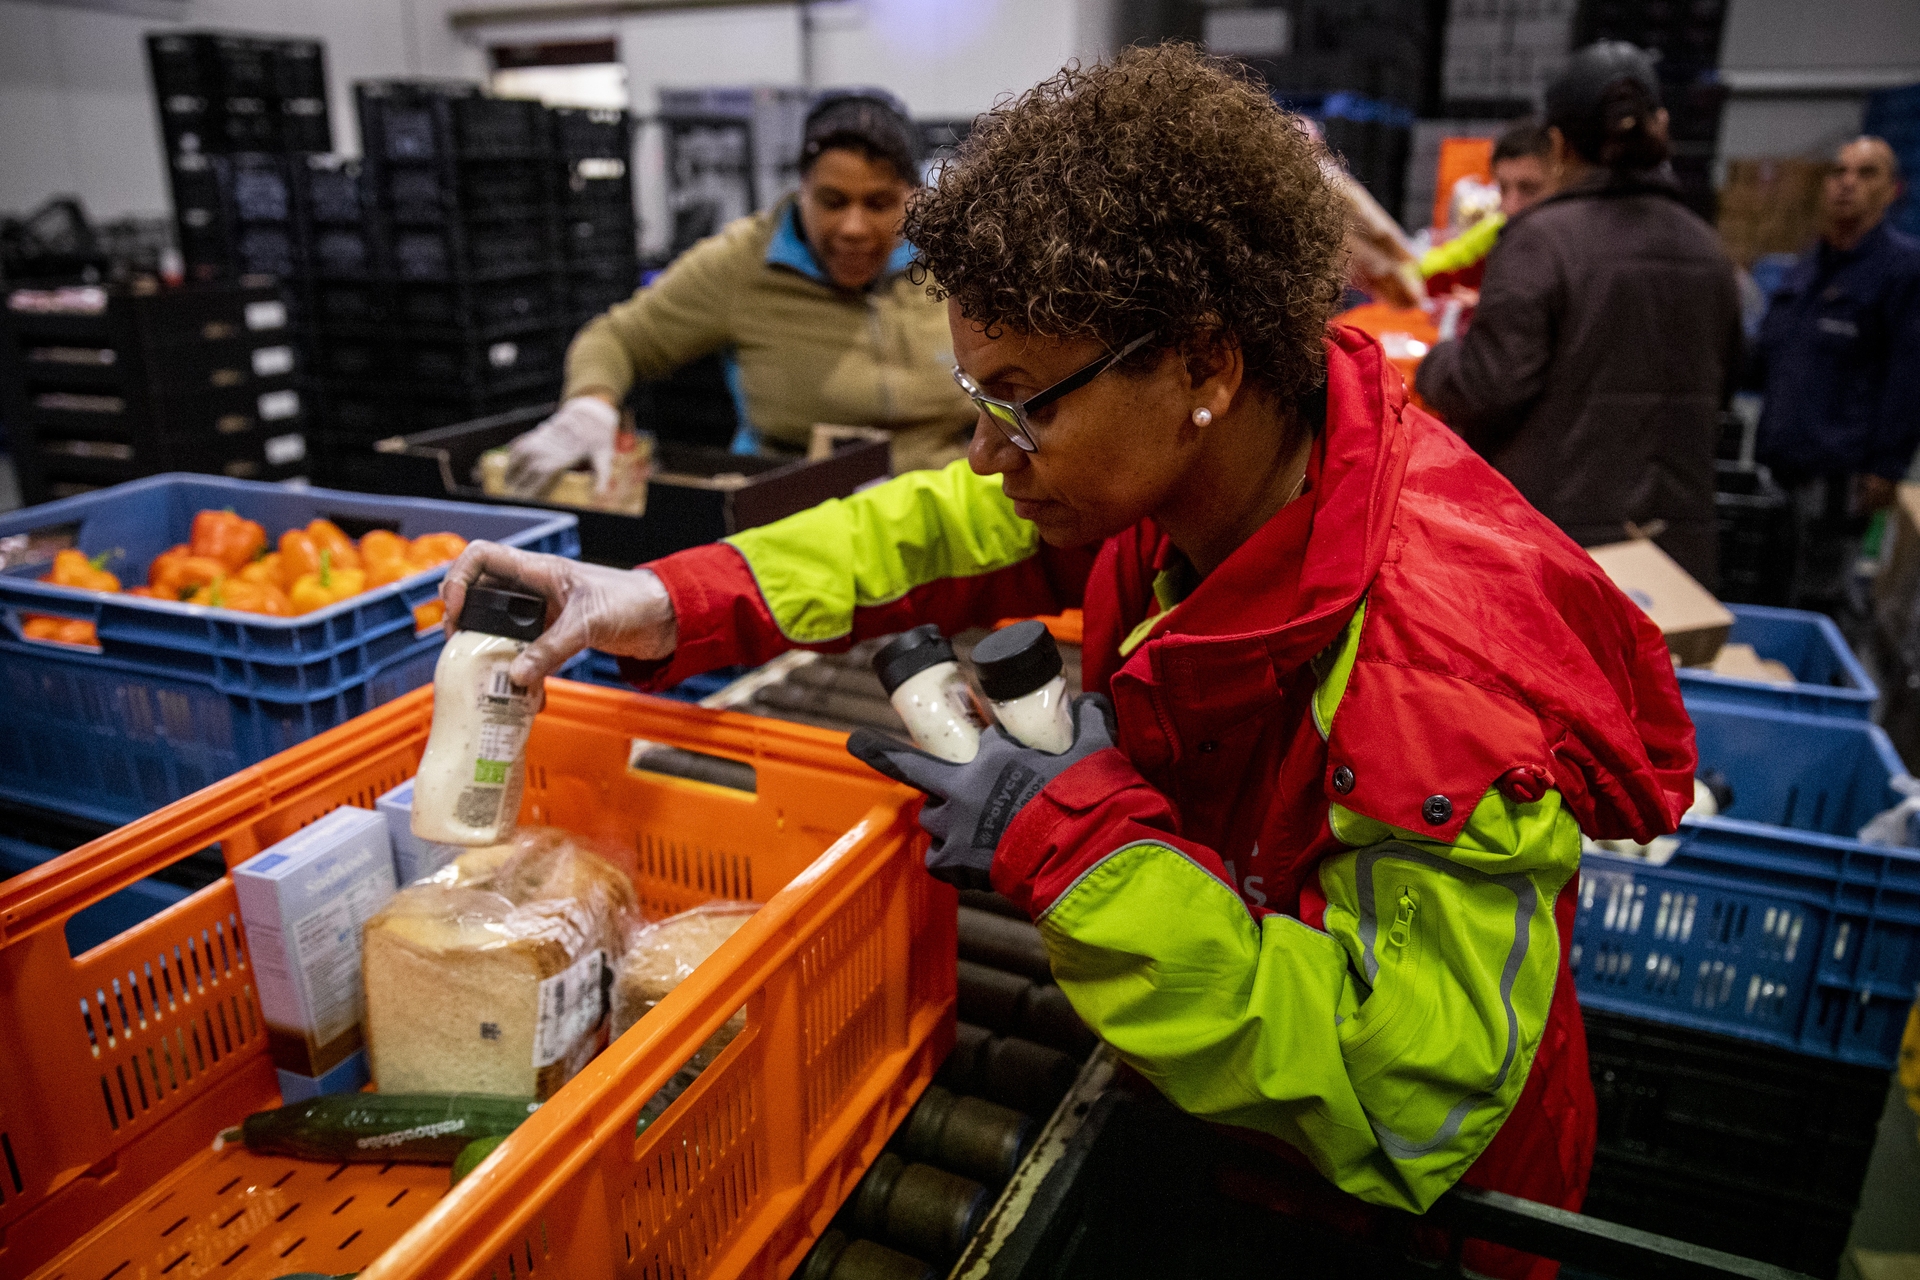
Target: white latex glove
{"type": "Point", "coordinates": [581, 430]}
{"type": "Point", "coordinates": [589, 606]}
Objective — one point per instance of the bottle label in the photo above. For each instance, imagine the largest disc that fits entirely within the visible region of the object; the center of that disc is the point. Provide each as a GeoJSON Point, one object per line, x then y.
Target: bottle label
{"type": "Point", "coordinates": [505, 714]}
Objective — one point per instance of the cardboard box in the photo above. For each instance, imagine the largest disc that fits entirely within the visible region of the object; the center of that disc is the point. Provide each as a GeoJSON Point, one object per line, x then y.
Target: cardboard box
{"type": "Point", "coordinates": [304, 902]}
{"type": "Point", "coordinates": [413, 858]}
{"type": "Point", "coordinates": [1896, 588]}
{"type": "Point", "coordinates": [1743, 662]}
{"type": "Point", "coordinates": [1694, 623]}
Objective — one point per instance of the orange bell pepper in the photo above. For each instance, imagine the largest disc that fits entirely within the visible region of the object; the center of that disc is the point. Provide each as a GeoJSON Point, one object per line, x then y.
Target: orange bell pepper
{"type": "Point", "coordinates": [430, 549]}
{"type": "Point", "coordinates": [39, 626]}
{"type": "Point", "coordinates": [76, 569]}
{"type": "Point", "coordinates": [299, 556]}
{"type": "Point", "coordinates": [265, 570]}
{"type": "Point", "coordinates": [384, 555]}
{"type": "Point", "coordinates": [328, 536]}
{"type": "Point", "coordinates": [325, 586]}
{"type": "Point", "coordinates": [231, 539]}
{"type": "Point", "coordinates": [244, 596]}
{"type": "Point", "coordinates": [177, 573]}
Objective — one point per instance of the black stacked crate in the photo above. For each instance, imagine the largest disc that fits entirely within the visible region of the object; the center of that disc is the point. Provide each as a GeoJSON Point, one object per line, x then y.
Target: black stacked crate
{"type": "Point", "coordinates": [1733, 1145]}
{"type": "Point", "coordinates": [225, 92]}
{"type": "Point", "coordinates": [106, 386]}
{"type": "Point", "coordinates": [594, 208]}
{"type": "Point", "coordinates": [236, 113]}
{"type": "Point", "coordinates": [1685, 34]}
{"type": "Point", "coordinates": [460, 309]}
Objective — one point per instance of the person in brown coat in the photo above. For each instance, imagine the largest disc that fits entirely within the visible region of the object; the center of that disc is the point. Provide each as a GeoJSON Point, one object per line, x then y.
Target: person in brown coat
{"type": "Point", "coordinates": [1608, 334]}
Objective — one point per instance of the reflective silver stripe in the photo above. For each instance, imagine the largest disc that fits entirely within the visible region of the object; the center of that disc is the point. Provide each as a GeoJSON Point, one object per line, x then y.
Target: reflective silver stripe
{"type": "Point", "coordinates": [1140, 844]}
{"type": "Point", "coordinates": [1526, 902]}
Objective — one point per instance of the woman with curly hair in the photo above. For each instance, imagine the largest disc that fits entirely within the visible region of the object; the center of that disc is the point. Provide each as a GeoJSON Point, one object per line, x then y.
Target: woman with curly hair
{"type": "Point", "coordinates": [1308, 871]}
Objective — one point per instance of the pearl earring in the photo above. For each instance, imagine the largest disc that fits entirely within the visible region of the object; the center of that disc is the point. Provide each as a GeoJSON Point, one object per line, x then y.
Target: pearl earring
{"type": "Point", "coordinates": [1202, 417]}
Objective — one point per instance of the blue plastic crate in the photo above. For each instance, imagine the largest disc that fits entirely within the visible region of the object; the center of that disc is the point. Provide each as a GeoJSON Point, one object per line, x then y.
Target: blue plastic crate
{"type": "Point", "coordinates": [604, 668]}
{"type": "Point", "coordinates": [179, 695]}
{"type": "Point", "coordinates": [1831, 681]}
{"type": "Point", "coordinates": [1771, 922]}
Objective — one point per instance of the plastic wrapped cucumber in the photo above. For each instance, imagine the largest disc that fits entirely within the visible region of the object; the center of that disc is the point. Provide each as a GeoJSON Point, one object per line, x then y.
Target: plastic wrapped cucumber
{"type": "Point", "coordinates": [374, 1128]}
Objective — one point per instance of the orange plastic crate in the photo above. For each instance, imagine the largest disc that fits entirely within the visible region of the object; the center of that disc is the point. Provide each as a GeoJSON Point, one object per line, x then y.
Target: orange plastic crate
{"type": "Point", "coordinates": [120, 1065]}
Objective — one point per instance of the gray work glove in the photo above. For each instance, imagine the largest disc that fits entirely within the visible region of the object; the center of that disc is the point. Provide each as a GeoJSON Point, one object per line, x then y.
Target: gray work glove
{"type": "Point", "coordinates": [581, 430]}
{"type": "Point", "coordinates": [626, 612]}
{"type": "Point", "coordinates": [969, 806]}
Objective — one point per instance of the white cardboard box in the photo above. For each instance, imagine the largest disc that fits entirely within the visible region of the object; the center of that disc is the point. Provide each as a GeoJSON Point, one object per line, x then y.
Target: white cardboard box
{"type": "Point", "coordinates": [413, 858]}
{"type": "Point", "coordinates": [304, 902]}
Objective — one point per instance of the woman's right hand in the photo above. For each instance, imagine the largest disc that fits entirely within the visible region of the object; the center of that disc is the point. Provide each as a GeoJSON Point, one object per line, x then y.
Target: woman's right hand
{"type": "Point", "coordinates": [589, 606]}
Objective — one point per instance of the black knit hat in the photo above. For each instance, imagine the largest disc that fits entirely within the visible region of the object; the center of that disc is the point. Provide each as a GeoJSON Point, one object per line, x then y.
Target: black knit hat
{"type": "Point", "coordinates": [871, 119]}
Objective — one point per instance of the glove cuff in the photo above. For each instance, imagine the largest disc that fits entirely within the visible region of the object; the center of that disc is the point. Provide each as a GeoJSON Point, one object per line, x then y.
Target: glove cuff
{"type": "Point", "coordinates": [594, 408]}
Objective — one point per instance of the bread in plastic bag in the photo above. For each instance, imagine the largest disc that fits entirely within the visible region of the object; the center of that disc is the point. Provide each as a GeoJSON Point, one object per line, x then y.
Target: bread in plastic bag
{"type": "Point", "coordinates": [491, 976]}
{"type": "Point", "coordinates": [664, 954]}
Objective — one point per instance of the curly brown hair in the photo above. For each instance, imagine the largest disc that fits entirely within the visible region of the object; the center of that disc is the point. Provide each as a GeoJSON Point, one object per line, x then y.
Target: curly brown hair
{"type": "Point", "coordinates": [1161, 191]}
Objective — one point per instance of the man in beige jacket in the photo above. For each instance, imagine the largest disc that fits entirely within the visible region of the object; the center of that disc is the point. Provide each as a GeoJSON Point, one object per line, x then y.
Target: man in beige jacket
{"type": "Point", "coordinates": [813, 297]}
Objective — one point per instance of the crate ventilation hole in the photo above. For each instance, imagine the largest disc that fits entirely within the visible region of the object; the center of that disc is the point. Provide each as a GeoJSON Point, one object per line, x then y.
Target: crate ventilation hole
{"type": "Point", "coordinates": [160, 990]}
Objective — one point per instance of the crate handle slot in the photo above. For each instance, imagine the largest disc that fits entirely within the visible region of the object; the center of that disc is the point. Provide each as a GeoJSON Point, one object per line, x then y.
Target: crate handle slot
{"type": "Point", "coordinates": [684, 765]}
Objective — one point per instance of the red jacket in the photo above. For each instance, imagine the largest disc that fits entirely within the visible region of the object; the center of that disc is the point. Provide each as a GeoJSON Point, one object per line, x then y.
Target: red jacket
{"type": "Point", "coordinates": [1496, 665]}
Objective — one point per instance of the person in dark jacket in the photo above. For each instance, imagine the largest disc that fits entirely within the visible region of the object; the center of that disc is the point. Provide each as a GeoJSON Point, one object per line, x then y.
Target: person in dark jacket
{"type": "Point", "coordinates": [1835, 359]}
{"type": "Point", "coordinates": [1608, 334]}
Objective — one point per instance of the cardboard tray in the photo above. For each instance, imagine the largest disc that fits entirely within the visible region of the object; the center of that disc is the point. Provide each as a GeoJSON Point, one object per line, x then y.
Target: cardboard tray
{"type": "Point", "coordinates": [697, 495]}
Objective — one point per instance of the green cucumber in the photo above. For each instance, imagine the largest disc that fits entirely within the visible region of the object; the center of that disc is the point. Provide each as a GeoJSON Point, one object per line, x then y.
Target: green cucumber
{"type": "Point", "coordinates": [374, 1128]}
{"type": "Point", "coordinates": [472, 1154]}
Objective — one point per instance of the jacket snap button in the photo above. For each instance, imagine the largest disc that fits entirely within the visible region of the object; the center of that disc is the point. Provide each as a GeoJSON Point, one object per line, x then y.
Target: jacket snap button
{"type": "Point", "coordinates": [1437, 810]}
{"type": "Point", "coordinates": [1209, 747]}
{"type": "Point", "coordinates": [1343, 779]}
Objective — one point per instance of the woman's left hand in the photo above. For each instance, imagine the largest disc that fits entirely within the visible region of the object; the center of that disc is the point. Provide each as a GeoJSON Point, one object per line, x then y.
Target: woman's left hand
{"type": "Point", "coordinates": [969, 806]}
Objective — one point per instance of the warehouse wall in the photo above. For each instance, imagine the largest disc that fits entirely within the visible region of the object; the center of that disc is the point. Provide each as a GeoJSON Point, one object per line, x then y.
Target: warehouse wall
{"type": "Point", "coordinates": [78, 116]}
{"type": "Point", "coordinates": [1800, 72]}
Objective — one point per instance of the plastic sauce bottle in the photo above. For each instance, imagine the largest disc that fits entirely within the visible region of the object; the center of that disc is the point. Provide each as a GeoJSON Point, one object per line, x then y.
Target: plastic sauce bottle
{"type": "Point", "coordinates": [923, 681]}
{"type": "Point", "coordinates": [468, 788]}
{"type": "Point", "coordinates": [1019, 669]}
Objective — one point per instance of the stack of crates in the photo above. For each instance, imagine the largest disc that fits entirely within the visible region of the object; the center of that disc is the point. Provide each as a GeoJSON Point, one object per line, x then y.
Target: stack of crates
{"type": "Point", "coordinates": [237, 113]}
{"type": "Point", "coordinates": [594, 205]}
{"type": "Point", "coordinates": [1745, 996]}
{"type": "Point", "coordinates": [495, 226]}
{"type": "Point", "coordinates": [106, 385]}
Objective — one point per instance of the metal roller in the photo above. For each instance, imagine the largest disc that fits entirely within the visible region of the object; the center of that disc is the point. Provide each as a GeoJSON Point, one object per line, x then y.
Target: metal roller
{"type": "Point", "coordinates": [992, 997]}
{"type": "Point", "coordinates": [916, 1207]}
{"type": "Point", "coordinates": [1005, 1069]}
{"type": "Point", "coordinates": [972, 1136]}
{"type": "Point", "coordinates": [1003, 943]}
{"type": "Point", "coordinates": [836, 1257]}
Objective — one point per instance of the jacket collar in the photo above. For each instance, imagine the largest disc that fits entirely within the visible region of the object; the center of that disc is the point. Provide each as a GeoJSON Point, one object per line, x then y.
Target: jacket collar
{"type": "Point", "coordinates": [1607, 184]}
{"type": "Point", "coordinates": [1232, 617]}
{"type": "Point", "coordinates": [789, 248]}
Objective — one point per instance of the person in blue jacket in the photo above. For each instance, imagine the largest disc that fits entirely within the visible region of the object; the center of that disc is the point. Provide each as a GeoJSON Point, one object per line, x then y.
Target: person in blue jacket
{"type": "Point", "coordinates": [1838, 362]}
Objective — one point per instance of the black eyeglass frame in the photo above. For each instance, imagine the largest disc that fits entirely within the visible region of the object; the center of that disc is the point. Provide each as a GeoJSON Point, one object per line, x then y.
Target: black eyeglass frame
{"type": "Point", "coordinates": [1011, 417]}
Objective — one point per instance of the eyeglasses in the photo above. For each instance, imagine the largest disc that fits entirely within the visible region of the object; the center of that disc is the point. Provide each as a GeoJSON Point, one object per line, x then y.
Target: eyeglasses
{"type": "Point", "coordinates": [1011, 415]}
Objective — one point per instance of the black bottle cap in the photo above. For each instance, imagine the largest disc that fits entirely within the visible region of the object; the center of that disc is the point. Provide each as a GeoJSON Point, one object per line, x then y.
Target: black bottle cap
{"type": "Point", "coordinates": [908, 654]}
{"type": "Point", "coordinates": [1016, 660]}
{"type": "Point", "coordinates": [512, 614]}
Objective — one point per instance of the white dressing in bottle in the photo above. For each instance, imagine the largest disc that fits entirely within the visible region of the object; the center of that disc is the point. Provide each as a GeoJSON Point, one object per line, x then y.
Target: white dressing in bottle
{"type": "Point", "coordinates": [923, 681]}
{"type": "Point", "coordinates": [1020, 672]}
{"type": "Point", "coordinates": [468, 789]}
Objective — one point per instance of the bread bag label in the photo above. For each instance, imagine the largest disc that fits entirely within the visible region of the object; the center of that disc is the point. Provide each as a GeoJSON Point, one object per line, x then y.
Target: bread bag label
{"type": "Point", "coordinates": [570, 1007]}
